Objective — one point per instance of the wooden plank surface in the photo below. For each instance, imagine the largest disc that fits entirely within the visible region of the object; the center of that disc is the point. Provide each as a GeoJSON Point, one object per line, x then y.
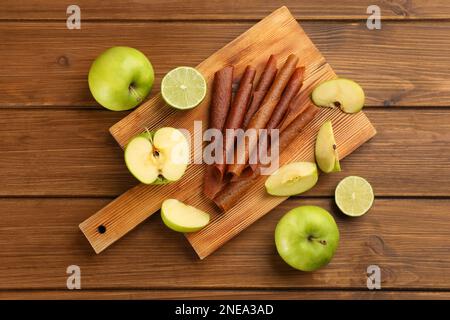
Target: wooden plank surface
{"type": "Point", "coordinates": [403, 236]}
{"type": "Point", "coordinates": [407, 71]}
{"type": "Point", "coordinates": [219, 10]}
{"type": "Point", "coordinates": [70, 153]}
{"type": "Point", "coordinates": [224, 294]}
{"type": "Point", "coordinates": [54, 152]}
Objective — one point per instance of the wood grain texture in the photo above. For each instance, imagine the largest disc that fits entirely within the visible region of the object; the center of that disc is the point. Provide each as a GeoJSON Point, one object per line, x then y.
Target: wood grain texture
{"type": "Point", "coordinates": [278, 34]}
{"type": "Point", "coordinates": [70, 153]}
{"type": "Point", "coordinates": [219, 10]}
{"type": "Point", "coordinates": [45, 64]}
{"type": "Point", "coordinates": [223, 295]}
{"type": "Point", "coordinates": [39, 238]}
{"type": "Point", "coordinates": [56, 152]}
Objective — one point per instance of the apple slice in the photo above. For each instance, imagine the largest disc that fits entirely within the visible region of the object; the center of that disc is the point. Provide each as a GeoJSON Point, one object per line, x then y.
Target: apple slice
{"type": "Point", "coordinates": [183, 218]}
{"type": "Point", "coordinates": [341, 93]}
{"type": "Point", "coordinates": [158, 158]}
{"type": "Point", "coordinates": [292, 179]}
{"type": "Point", "coordinates": [326, 150]}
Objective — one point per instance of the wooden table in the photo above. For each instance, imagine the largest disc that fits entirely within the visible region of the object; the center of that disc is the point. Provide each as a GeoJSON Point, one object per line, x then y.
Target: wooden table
{"type": "Point", "coordinates": [59, 164]}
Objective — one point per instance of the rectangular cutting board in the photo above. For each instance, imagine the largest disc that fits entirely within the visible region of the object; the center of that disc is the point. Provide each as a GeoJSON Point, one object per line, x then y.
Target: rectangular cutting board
{"type": "Point", "coordinates": [278, 34]}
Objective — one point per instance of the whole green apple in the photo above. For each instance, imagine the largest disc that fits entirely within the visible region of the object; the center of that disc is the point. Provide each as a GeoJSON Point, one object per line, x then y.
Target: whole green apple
{"type": "Point", "coordinates": [120, 78]}
{"type": "Point", "coordinates": [307, 237]}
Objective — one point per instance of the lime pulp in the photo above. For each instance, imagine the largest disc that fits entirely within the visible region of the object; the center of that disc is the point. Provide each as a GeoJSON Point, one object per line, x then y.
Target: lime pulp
{"type": "Point", "coordinates": [183, 88]}
{"type": "Point", "coordinates": [354, 196]}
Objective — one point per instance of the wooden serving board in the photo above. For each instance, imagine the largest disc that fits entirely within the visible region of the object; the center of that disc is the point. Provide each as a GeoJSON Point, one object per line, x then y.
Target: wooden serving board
{"type": "Point", "coordinates": [279, 34]}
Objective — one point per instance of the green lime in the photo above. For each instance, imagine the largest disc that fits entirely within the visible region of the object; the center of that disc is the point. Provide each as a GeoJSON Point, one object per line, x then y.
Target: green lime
{"type": "Point", "coordinates": [354, 196]}
{"type": "Point", "coordinates": [183, 88]}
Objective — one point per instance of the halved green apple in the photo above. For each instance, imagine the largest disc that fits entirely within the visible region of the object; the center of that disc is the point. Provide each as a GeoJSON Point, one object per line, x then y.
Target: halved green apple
{"type": "Point", "coordinates": [159, 157]}
{"type": "Point", "coordinates": [292, 179]}
{"type": "Point", "coordinates": [326, 150]}
{"type": "Point", "coordinates": [339, 93]}
{"type": "Point", "coordinates": [181, 217]}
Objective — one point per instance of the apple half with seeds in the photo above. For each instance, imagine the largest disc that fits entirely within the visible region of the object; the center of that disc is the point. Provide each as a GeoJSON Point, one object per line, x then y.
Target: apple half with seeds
{"type": "Point", "coordinates": [292, 179]}
{"type": "Point", "coordinates": [327, 156]}
{"type": "Point", "coordinates": [340, 93]}
{"type": "Point", "coordinates": [159, 157]}
{"type": "Point", "coordinates": [181, 217]}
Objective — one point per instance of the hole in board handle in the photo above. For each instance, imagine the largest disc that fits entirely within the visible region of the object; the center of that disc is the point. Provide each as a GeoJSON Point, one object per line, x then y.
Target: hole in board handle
{"type": "Point", "coordinates": [101, 229]}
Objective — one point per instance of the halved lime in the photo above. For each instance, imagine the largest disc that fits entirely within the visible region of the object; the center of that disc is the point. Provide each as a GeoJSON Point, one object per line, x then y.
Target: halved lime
{"type": "Point", "coordinates": [354, 196]}
{"type": "Point", "coordinates": [183, 88]}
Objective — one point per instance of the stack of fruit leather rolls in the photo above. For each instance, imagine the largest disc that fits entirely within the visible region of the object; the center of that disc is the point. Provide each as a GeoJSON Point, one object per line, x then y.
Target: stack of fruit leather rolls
{"type": "Point", "coordinates": [260, 119]}
{"type": "Point", "coordinates": [232, 192]}
{"type": "Point", "coordinates": [273, 104]}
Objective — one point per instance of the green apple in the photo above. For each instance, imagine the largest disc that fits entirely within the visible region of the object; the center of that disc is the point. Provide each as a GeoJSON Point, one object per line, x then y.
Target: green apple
{"type": "Point", "coordinates": [292, 179]}
{"type": "Point", "coordinates": [326, 150]}
{"type": "Point", "coordinates": [120, 78]}
{"type": "Point", "coordinates": [183, 218]}
{"type": "Point", "coordinates": [341, 93]}
{"type": "Point", "coordinates": [160, 157]}
{"type": "Point", "coordinates": [307, 238]}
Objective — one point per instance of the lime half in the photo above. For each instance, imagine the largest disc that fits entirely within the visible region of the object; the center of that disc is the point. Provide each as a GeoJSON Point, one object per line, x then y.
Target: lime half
{"type": "Point", "coordinates": [354, 196]}
{"type": "Point", "coordinates": [183, 88]}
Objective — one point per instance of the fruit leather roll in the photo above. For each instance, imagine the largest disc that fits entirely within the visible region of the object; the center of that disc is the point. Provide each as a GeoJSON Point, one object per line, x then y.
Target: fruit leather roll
{"type": "Point", "coordinates": [264, 83]}
{"type": "Point", "coordinates": [220, 104]}
{"type": "Point", "coordinates": [236, 114]}
{"type": "Point", "coordinates": [221, 97]}
{"type": "Point", "coordinates": [263, 115]}
{"type": "Point", "coordinates": [292, 88]}
{"type": "Point", "coordinates": [233, 191]}
{"type": "Point", "coordinates": [296, 126]}
{"type": "Point", "coordinates": [296, 107]}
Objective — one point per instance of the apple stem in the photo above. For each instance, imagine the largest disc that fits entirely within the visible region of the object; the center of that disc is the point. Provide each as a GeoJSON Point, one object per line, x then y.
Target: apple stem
{"type": "Point", "coordinates": [155, 152]}
{"type": "Point", "coordinates": [135, 93]}
{"type": "Point", "coordinates": [149, 134]}
{"type": "Point", "coordinates": [322, 242]}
